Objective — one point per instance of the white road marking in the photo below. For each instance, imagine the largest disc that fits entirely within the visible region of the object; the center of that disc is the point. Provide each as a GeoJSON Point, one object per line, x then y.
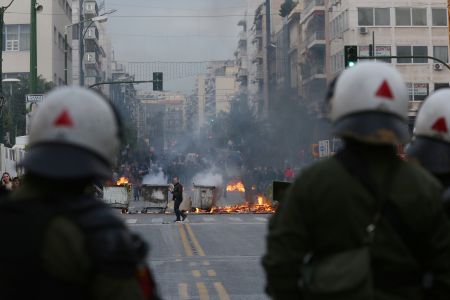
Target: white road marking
{"type": "Point", "coordinates": [131, 221]}
{"type": "Point", "coordinates": [209, 219]}
{"type": "Point", "coordinates": [261, 219]}
{"type": "Point", "coordinates": [157, 220]}
{"type": "Point", "coordinates": [235, 219]}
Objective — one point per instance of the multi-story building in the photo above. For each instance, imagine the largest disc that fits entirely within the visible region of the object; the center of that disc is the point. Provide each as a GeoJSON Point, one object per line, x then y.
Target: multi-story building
{"type": "Point", "coordinates": [91, 52]}
{"type": "Point", "coordinates": [398, 29]}
{"type": "Point", "coordinates": [312, 53]}
{"type": "Point", "coordinates": [51, 21]}
{"type": "Point", "coordinates": [162, 120]}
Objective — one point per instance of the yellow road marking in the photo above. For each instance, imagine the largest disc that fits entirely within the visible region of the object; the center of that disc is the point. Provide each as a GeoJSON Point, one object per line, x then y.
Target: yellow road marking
{"type": "Point", "coordinates": [211, 273]}
{"type": "Point", "coordinates": [202, 291]}
{"type": "Point", "coordinates": [183, 291]}
{"type": "Point", "coordinates": [206, 263]}
{"type": "Point", "coordinates": [196, 273]}
{"type": "Point", "coordinates": [223, 295]}
{"type": "Point", "coordinates": [195, 241]}
{"type": "Point", "coordinates": [184, 240]}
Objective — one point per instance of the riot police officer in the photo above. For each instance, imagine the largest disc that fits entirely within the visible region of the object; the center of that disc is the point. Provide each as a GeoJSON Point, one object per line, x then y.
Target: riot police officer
{"type": "Point", "coordinates": [362, 224]}
{"type": "Point", "coordinates": [58, 242]}
{"type": "Point", "coordinates": [431, 143]}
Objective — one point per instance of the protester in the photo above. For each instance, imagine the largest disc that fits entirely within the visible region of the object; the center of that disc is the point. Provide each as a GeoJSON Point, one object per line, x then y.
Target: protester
{"type": "Point", "coordinates": [6, 181]}
{"type": "Point", "coordinates": [15, 183]}
{"type": "Point", "coordinates": [177, 193]}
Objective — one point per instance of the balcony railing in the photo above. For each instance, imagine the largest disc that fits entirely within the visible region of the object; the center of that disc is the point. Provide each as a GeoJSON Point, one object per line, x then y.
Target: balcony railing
{"type": "Point", "coordinates": [309, 7]}
{"type": "Point", "coordinates": [316, 36]}
{"type": "Point", "coordinates": [90, 9]}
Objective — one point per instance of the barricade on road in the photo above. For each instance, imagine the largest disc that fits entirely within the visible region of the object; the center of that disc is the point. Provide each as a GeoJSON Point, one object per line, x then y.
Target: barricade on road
{"type": "Point", "coordinates": [117, 196]}
{"type": "Point", "coordinates": [155, 197]}
{"type": "Point", "coordinates": [204, 197]}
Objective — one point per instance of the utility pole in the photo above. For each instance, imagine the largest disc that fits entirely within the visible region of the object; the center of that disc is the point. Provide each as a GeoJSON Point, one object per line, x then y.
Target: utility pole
{"type": "Point", "coordinates": [33, 49]}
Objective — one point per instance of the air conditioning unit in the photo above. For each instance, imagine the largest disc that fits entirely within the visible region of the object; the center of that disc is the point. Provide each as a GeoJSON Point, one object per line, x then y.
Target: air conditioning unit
{"type": "Point", "coordinates": [438, 66]}
{"type": "Point", "coordinates": [363, 30]}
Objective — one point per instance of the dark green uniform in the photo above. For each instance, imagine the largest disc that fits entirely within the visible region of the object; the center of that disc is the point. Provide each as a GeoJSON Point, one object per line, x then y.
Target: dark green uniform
{"type": "Point", "coordinates": [70, 247]}
{"type": "Point", "coordinates": [327, 211]}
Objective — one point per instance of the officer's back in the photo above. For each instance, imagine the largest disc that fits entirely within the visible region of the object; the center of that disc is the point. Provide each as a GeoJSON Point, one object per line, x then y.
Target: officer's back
{"type": "Point", "coordinates": [363, 224]}
{"type": "Point", "coordinates": [58, 242]}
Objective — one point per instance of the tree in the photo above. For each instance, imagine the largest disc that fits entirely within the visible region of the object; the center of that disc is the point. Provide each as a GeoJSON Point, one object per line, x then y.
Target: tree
{"type": "Point", "coordinates": [13, 120]}
{"type": "Point", "coordinates": [287, 7]}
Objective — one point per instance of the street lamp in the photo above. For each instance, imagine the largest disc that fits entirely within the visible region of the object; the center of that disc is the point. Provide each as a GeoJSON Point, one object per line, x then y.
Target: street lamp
{"type": "Point", "coordinates": [99, 19]}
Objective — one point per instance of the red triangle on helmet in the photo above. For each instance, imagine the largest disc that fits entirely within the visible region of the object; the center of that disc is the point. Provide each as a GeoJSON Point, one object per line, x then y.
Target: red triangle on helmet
{"type": "Point", "coordinates": [385, 91]}
{"type": "Point", "coordinates": [63, 120]}
{"type": "Point", "coordinates": [440, 125]}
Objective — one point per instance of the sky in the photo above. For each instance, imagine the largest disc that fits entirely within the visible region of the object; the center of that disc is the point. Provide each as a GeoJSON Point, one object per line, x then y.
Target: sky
{"type": "Point", "coordinates": [181, 32]}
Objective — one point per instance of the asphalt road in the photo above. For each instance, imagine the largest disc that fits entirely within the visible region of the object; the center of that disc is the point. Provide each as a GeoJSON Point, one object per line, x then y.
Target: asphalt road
{"type": "Point", "coordinates": [207, 257]}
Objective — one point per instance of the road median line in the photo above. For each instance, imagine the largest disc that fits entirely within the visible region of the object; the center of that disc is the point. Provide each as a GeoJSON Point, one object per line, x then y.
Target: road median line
{"type": "Point", "coordinates": [220, 289]}
{"type": "Point", "coordinates": [184, 240]}
{"type": "Point", "coordinates": [194, 240]}
{"type": "Point", "coordinates": [202, 291]}
{"type": "Point", "coordinates": [183, 291]}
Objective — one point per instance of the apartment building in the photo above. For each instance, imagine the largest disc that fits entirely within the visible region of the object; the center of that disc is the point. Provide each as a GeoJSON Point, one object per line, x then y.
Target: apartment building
{"type": "Point", "coordinates": [51, 21]}
{"type": "Point", "coordinates": [397, 28]}
{"type": "Point", "coordinates": [92, 54]}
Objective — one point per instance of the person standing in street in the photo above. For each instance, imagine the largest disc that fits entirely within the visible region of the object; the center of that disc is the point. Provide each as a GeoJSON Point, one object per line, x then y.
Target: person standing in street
{"type": "Point", "coordinates": [431, 143]}
{"type": "Point", "coordinates": [177, 193]}
{"type": "Point", "coordinates": [362, 224]}
{"type": "Point", "coordinates": [58, 241]}
{"type": "Point", "coordinates": [6, 181]}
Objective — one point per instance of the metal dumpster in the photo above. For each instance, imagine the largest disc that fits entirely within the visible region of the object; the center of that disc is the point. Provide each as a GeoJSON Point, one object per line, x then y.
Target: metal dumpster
{"type": "Point", "coordinates": [155, 197]}
{"type": "Point", "coordinates": [117, 196]}
{"type": "Point", "coordinates": [204, 197]}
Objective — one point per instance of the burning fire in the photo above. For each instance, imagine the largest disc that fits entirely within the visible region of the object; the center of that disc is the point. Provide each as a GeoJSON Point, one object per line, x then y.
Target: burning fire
{"type": "Point", "coordinates": [122, 181]}
{"type": "Point", "coordinates": [237, 187]}
{"type": "Point", "coordinates": [262, 206]}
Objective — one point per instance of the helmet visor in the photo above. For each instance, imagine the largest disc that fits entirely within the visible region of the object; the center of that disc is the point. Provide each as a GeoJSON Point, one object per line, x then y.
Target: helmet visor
{"type": "Point", "coordinates": [63, 161]}
{"type": "Point", "coordinates": [373, 127]}
{"type": "Point", "coordinates": [433, 155]}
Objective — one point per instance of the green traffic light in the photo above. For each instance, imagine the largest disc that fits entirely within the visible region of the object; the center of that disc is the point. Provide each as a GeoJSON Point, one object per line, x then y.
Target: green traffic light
{"type": "Point", "coordinates": [351, 64]}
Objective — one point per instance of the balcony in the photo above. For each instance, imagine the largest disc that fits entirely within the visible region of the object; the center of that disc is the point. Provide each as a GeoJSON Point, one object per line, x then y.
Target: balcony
{"type": "Point", "coordinates": [90, 9]}
{"type": "Point", "coordinates": [92, 33]}
{"type": "Point", "coordinates": [312, 71]}
{"type": "Point", "coordinates": [311, 6]}
{"type": "Point", "coordinates": [317, 38]}
{"type": "Point", "coordinates": [91, 60]}
{"type": "Point", "coordinates": [259, 73]}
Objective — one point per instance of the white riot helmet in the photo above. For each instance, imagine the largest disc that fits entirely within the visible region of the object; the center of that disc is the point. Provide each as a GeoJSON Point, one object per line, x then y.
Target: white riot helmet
{"type": "Point", "coordinates": [74, 134]}
{"type": "Point", "coordinates": [431, 143]}
{"type": "Point", "coordinates": [369, 102]}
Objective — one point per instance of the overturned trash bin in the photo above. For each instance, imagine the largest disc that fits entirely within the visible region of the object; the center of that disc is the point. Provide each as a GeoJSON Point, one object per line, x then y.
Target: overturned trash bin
{"type": "Point", "coordinates": [156, 197]}
{"type": "Point", "coordinates": [204, 197]}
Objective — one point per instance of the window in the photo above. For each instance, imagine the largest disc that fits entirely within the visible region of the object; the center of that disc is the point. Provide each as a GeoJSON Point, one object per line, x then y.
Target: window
{"type": "Point", "coordinates": [406, 16]}
{"type": "Point", "coordinates": [16, 37]}
{"type": "Point", "coordinates": [438, 86]}
{"type": "Point", "coordinates": [379, 51]}
{"type": "Point", "coordinates": [420, 51]}
{"type": "Point", "coordinates": [382, 17]}
{"type": "Point", "coordinates": [441, 52]}
{"type": "Point", "coordinates": [439, 16]}
{"type": "Point", "coordinates": [55, 38]}
{"type": "Point", "coordinates": [418, 91]}
{"type": "Point", "coordinates": [368, 16]}
{"type": "Point", "coordinates": [404, 51]}
{"type": "Point", "coordinates": [412, 51]}
{"type": "Point", "coordinates": [403, 16]}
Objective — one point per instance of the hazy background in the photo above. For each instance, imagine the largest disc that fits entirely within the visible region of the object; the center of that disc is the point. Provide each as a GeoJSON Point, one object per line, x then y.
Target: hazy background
{"type": "Point", "coordinates": [182, 31]}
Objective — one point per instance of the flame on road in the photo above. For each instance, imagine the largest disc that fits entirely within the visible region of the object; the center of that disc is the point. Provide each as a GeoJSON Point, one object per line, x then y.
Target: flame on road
{"type": "Point", "coordinates": [263, 206]}
{"type": "Point", "coordinates": [122, 181]}
{"type": "Point", "coordinates": [237, 187]}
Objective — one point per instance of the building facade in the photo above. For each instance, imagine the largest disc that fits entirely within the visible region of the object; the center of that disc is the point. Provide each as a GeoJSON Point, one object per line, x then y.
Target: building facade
{"type": "Point", "coordinates": [398, 29]}
{"type": "Point", "coordinates": [51, 22]}
{"type": "Point", "coordinates": [86, 38]}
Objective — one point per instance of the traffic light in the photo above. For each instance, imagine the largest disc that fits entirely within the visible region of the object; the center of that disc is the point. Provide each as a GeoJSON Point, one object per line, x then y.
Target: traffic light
{"type": "Point", "coordinates": [157, 81]}
{"type": "Point", "coordinates": [350, 55]}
